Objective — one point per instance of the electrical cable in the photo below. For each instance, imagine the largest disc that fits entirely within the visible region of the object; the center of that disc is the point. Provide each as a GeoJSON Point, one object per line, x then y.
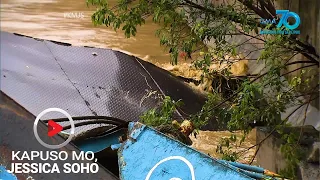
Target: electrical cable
{"type": "Point", "coordinates": [116, 120]}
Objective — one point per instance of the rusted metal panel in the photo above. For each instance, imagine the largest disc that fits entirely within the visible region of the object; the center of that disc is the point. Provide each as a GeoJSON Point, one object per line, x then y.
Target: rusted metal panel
{"type": "Point", "coordinates": [16, 134]}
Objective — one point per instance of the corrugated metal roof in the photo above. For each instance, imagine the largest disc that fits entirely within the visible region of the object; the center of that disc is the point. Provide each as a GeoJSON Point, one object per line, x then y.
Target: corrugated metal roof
{"type": "Point", "coordinates": [84, 81]}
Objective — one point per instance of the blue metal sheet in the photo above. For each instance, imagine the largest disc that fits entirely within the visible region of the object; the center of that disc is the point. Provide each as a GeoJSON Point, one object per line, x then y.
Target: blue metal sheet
{"type": "Point", "coordinates": [5, 175]}
{"type": "Point", "coordinates": [151, 155]}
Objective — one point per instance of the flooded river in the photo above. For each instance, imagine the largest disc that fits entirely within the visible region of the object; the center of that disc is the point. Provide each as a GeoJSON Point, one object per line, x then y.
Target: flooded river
{"type": "Point", "coordinates": [49, 19]}
{"type": "Point", "coordinates": [52, 19]}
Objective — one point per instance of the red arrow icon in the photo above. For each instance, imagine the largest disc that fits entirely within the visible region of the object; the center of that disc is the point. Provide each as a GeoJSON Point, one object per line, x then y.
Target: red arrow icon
{"type": "Point", "coordinates": [53, 128]}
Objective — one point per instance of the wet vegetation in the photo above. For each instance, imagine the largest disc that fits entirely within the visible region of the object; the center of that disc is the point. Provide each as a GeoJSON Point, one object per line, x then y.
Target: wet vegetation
{"type": "Point", "coordinates": [288, 77]}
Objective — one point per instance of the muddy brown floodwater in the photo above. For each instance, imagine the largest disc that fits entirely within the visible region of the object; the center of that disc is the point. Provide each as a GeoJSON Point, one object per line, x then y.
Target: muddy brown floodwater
{"type": "Point", "coordinates": [52, 19]}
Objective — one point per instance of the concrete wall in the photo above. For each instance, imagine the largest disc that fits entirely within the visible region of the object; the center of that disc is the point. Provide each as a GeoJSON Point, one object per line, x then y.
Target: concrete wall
{"type": "Point", "coordinates": [309, 12]}
{"type": "Point", "coordinates": [270, 157]}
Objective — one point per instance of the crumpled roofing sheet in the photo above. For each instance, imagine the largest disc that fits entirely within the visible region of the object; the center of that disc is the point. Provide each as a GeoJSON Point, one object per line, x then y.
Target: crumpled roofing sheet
{"type": "Point", "coordinates": [85, 81]}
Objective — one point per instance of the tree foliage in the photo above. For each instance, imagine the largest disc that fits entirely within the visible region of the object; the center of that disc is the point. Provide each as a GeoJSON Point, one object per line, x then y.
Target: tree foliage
{"type": "Point", "coordinates": [260, 98]}
{"type": "Point", "coordinates": [162, 116]}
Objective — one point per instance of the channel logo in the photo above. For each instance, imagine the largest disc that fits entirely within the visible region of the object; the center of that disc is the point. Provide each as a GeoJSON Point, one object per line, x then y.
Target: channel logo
{"type": "Point", "coordinates": [282, 22]}
{"type": "Point", "coordinates": [286, 14]}
{"type": "Point", "coordinates": [53, 128]}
